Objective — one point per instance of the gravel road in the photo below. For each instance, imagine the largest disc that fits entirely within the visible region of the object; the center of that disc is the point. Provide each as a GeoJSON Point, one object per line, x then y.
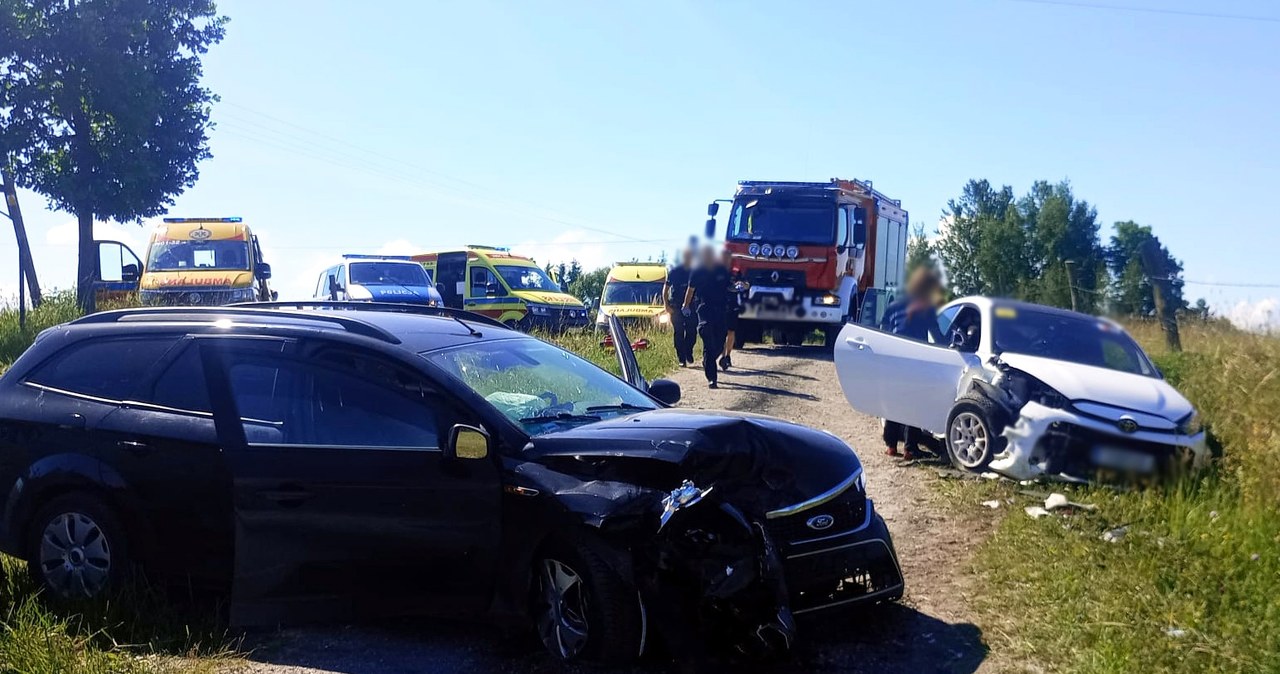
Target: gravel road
{"type": "Point", "coordinates": [929, 631]}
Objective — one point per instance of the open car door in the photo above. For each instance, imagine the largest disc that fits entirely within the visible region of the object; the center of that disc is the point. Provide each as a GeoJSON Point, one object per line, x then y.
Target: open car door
{"type": "Point", "coordinates": [627, 362]}
{"type": "Point", "coordinates": [899, 378]}
{"type": "Point", "coordinates": [117, 273]}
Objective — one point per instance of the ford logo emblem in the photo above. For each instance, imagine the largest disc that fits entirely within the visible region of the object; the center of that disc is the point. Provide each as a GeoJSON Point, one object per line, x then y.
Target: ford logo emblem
{"type": "Point", "coordinates": [820, 522]}
{"type": "Point", "coordinates": [1127, 425]}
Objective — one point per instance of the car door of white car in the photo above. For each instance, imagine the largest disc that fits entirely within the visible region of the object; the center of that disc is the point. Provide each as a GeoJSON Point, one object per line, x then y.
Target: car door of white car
{"type": "Point", "coordinates": [899, 378]}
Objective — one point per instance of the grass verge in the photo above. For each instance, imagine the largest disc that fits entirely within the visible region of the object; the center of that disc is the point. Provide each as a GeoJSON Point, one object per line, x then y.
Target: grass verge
{"type": "Point", "coordinates": [1191, 585]}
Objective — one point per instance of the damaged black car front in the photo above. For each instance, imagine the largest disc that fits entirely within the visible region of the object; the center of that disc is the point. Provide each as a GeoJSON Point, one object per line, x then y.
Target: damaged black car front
{"type": "Point", "coordinates": [627, 523]}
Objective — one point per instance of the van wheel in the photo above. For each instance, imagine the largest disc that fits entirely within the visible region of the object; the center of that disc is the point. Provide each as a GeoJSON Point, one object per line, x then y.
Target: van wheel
{"type": "Point", "coordinates": [974, 432]}
{"type": "Point", "coordinates": [77, 548]}
{"type": "Point", "coordinates": [582, 609]}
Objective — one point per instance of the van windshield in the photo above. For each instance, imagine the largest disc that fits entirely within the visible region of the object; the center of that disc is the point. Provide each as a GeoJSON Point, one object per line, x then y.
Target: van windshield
{"type": "Point", "coordinates": [527, 278]}
{"type": "Point", "coordinates": [224, 254]}
{"type": "Point", "coordinates": [389, 273]}
{"type": "Point", "coordinates": [633, 292]}
{"type": "Point", "coordinates": [796, 220]}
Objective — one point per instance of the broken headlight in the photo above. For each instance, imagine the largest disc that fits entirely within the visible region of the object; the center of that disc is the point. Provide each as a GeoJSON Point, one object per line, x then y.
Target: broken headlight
{"type": "Point", "coordinates": [1191, 424]}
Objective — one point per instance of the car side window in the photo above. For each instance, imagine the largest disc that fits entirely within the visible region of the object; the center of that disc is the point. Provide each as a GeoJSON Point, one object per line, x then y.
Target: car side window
{"type": "Point", "coordinates": [108, 369]}
{"type": "Point", "coordinates": [182, 386]}
{"type": "Point", "coordinates": [480, 281]}
{"type": "Point", "coordinates": [290, 402]}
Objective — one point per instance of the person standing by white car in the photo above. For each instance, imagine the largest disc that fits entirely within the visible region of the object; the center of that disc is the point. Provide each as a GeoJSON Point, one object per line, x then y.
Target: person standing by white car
{"type": "Point", "coordinates": [916, 317]}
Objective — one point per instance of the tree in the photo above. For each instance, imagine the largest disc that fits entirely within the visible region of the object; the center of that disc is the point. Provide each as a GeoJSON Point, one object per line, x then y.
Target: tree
{"type": "Point", "coordinates": [1065, 251]}
{"type": "Point", "coordinates": [1131, 291]}
{"type": "Point", "coordinates": [960, 237]}
{"type": "Point", "coordinates": [919, 250]}
{"type": "Point", "coordinates": [101, 106]}
{"type": "Point", "coordinates": [589, 285]}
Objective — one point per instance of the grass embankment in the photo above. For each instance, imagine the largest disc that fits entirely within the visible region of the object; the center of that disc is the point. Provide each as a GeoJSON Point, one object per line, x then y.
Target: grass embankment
{"type": "Point", "coordinates": [149, 630]}
{"type": "Point", "coordinates": [1193, 585]}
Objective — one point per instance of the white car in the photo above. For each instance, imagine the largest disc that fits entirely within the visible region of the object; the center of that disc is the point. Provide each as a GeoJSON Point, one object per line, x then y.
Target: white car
{"type": "Point", "coordinates": [1027, 391]}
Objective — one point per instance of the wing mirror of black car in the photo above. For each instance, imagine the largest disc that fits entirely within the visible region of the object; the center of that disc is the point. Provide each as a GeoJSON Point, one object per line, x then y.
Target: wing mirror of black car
{"type": "Point", "coordinates": [665, 390]}
{"type": "Point", "coordinates": [129, 273]}
{"type": "Point", "coordinates": [262, 271]}
{"type": "Point", "coordinates": [467, 442]}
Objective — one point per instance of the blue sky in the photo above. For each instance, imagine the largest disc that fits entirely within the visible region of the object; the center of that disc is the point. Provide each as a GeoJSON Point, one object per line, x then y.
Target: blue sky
{"type": "Point", "coordinates": [569, 129]}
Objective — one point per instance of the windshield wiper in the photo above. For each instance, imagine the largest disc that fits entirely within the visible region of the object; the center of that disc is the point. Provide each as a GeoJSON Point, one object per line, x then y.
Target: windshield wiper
{"type": "Point", "coordinates": [562, 416]}
{"type": "Point", "coordinates": [619, 408]}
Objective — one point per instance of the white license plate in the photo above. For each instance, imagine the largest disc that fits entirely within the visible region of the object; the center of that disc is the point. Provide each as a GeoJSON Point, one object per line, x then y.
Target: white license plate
{"type": "Point", "coordinates": [1124, 459]}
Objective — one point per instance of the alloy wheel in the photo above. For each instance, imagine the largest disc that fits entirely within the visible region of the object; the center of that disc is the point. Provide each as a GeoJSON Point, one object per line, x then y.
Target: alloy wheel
{"type": "Point", "coordinates": [75, 556]}
{"type": "Point", "coordinates": [561, 614]}
{"type": "Point", "coordinates": [968, 439]}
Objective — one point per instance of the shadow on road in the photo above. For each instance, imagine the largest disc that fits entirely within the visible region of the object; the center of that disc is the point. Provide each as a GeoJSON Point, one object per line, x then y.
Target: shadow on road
{"type": "Point", "coordinates": [769, 390]}
{"type": "Point", "coordinates": [891, 638]}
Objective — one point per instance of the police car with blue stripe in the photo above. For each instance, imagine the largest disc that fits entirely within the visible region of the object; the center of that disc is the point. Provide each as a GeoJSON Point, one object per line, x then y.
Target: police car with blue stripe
{"type": "Point", "coordinates": [377, 278]}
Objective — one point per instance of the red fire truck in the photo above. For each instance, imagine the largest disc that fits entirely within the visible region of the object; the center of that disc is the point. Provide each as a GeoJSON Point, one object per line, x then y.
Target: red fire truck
{"type": "Point", "coordinates": [816, 255]}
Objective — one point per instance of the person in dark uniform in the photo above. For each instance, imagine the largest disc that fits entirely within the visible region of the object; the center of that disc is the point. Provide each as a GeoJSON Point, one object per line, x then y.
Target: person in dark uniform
{"type": "Point", "coordinates": [733, 307]}
{"type": "Point", "coordinates": [684, 329]}
{"type": "Point", "coordinates": [914, 316]}
{"type": "Point", "coordinates": [709, 284]}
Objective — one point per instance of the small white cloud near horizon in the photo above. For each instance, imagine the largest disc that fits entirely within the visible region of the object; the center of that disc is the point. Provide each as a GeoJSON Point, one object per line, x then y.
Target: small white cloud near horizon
{"type": "Point", "coordinates": [1261, 315]}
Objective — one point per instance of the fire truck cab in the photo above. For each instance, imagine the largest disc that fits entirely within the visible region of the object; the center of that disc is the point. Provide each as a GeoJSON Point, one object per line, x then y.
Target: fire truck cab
{"type": "Point", "coordinates": [816, 255]}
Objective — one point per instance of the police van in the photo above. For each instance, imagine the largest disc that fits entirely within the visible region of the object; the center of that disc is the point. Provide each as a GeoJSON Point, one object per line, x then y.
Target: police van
{"type": "Point", "coordinates": [510, 288]}
{"type": "Point", "coordinates": [377, 278]}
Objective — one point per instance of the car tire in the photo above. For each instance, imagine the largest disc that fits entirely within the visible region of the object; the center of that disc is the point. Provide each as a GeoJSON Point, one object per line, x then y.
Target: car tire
{"type": "Point", "coordinates": [589, 613]}
{"type": "Point", "coordinates": [974, 432]}
{"type": "Point", "coordinates": [77, 548]}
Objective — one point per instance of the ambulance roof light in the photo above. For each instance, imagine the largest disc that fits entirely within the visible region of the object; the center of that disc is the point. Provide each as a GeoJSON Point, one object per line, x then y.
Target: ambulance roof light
{"type": "Point", "coordinates": [176, 221]}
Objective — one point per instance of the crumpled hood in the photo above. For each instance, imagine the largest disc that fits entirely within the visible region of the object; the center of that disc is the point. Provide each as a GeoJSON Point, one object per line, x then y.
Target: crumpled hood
{"type": "Point", "coordinates": [758, 463]}
{"type": "Point", "coordinates": [1109, 387]}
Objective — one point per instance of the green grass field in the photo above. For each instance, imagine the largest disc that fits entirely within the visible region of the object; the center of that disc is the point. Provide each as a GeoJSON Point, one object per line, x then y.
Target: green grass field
{"type": "Point", "coordinates": [1193, 585]}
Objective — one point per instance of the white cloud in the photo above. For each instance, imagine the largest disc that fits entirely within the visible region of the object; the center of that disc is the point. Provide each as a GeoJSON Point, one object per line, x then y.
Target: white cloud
{"type": "Point", "coordinates": [1264, 314]}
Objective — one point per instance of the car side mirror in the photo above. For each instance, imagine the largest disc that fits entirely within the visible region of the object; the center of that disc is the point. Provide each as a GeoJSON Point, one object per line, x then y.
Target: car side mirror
{"type": "Point", "coordinates": [467, 442]}
{"type": "Point", "coordinates": [712, 209]}
{"type": "Point", "coordinates": [334, 288]}
{"type": "Point", "coordinates": [957, 340]}
{"type": "Point", "coordinates": [262, 271]}
{"type": "Point", "coordinates": [666, 391]}
{"type": "Point", "coordinates": [129, 273]}
{"type": "Point", "coordinates": [711, 228]}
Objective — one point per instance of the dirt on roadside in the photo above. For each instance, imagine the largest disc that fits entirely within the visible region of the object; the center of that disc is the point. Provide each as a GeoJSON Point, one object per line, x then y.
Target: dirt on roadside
{"type": "Point", "coordinates": [930, 630]}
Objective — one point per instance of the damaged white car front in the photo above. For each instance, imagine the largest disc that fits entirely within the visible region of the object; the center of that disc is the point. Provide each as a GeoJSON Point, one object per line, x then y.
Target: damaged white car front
{"type": "Point", "coordinates": [1027, 391]}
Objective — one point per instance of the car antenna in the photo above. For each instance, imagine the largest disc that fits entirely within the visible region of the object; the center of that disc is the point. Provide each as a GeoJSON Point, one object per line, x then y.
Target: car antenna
{"type": "Point", "coordinates": [473, 331]}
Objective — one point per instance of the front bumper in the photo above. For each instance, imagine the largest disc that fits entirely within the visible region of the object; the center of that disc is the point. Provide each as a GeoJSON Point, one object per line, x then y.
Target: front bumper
{"type": "Point", "coordinates": [558, 320]}
{"type": "Point", "coordinates": [1046, 441]}
{"type": "Point", "coordinates": [791, 305]}
{"type": "Point", "coordinates": [196, 297]}
{"type": "Point", "coordinates": [831, 570]}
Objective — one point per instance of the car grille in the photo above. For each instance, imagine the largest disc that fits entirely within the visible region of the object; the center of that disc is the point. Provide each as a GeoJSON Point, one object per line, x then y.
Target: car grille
{"type": "Point", "coordinates": [194, 298]}
{"type": "Point", "coordinates": [1067, 450]}
{"type": "Point", "coordinates": [841, 575]}
{"type": "Point", "coordinates": [848, 512]}
{"type": "Point", "coordinates": [787, 278]}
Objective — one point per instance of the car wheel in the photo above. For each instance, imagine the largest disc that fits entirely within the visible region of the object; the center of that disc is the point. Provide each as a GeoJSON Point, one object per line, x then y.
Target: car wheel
{"type": "Point", "coordinates": [582, 609]}
{"type": "Point", "coordinates": [974, 432]}
{"type": "Point", "coordinates": [77, 548]}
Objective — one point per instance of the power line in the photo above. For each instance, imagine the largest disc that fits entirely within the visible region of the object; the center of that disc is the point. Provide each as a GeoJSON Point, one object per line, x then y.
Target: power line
{"type": "Point", "coordinates": [1227, 285]}
{"type": "Point", "coordinates": [1153, 10]}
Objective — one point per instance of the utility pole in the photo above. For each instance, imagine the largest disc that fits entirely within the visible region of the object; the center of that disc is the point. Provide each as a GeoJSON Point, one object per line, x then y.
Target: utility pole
{"type": "Point", "coordinates": [1158, 277]}
{"type": "Point", "coordinates": [26, 267]}
{"type": "Point", "coordinates": [1071, 283]}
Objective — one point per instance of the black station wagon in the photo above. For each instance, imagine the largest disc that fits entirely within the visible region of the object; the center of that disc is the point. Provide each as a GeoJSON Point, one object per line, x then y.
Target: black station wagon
{"type": "Point", "coordinates": [360, 460]}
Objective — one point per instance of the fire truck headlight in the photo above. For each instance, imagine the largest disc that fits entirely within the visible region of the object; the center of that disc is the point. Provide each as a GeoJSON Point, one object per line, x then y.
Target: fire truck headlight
{"type": "Point", "coordinates": [753, 249]}
{"type": "Point", "coordinates": [793, 252]}
{"type": "Point", "coordinates": [779, 251]}
{"type": "Point", "coordinates": [828, 300]}
{"type": "Point", "coordinates": [766, 250]}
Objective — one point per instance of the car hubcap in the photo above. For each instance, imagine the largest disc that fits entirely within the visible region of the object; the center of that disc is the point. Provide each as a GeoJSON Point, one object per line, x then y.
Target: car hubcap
{"type": "Point", "coordinates": [75, 556]}
{"type": "Point", "coordinates": [562, 610]}
{"type": "Point", "coordinates": [968, 439]}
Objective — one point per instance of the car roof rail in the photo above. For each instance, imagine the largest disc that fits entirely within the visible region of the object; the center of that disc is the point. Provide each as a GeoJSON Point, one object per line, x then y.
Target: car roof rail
{"type": "Point", "coordinates": [393, 307]}
{"type": "Point", "coordinates": [201, 314]}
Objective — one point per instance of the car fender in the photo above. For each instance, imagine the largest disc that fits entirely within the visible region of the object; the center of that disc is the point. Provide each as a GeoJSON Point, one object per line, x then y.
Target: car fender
{"type": "Point", "coordinates": [59, 474]}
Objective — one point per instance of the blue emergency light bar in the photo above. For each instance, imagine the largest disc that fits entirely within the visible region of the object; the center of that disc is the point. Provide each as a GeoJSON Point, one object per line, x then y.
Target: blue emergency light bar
{"type": "Point", "coordinates": [175, 221]}
{"type": "Point", "coordinates": [355, 256]}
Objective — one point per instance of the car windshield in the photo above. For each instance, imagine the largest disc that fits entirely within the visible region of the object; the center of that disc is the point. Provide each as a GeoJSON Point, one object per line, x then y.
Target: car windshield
{"type": "Point", "coordinates": [389, 273]}
{"type": "Point", "coordinates": [527, 278]}
{"type": "Point", "coordinates": [811, 221]}
{"type": "Point", "coordinates": [541, 387]}
{"type": "Point", "coordinates": [633, 292]}
{"type": "Point", "coordinates": [186, 255]}
{"type": "Point", "coordinates": [1075, 339]}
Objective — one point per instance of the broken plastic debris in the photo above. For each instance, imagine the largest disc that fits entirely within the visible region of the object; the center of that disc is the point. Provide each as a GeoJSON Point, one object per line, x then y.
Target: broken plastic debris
{"type": "Point", "coordinates": [1255, 557]}
{"type": "Point", "coordinates": [991, 504]}
{"type": "Point", "coordinates": [1056, 500]}
{"type": "Point", "coordinates": [683, 496]}
{"type": "Point", "coordinates": [1115, 535]}
{"type": "Point", "coordinates": [991, 476]}
{"type": "Point", "coordinates": [1036, 512]}
{"type": "Point", "coordinates": [1175, 632]}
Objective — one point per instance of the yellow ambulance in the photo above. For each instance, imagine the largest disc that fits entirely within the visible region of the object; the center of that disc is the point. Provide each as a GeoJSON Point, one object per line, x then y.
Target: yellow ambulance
{"type": "Point", "coordinates": [510, 288]}
{"type": "Point", "coordinates": [633, 293]}
{"type": "Point", "coordinates": [204, 261]}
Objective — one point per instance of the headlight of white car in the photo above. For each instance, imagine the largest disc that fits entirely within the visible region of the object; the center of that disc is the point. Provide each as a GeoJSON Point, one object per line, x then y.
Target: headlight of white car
{"type": "Point", "coordinates": [1191, 424]}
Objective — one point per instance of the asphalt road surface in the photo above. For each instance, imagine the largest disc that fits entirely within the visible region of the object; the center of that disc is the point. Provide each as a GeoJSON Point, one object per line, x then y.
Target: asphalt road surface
{"type": "Point", "coordinates": [930, 630]}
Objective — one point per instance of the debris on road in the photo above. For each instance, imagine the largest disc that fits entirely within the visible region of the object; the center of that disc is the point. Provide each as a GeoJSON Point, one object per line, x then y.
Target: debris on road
{"type": "Point", "coordinates": [1115, 535]}
{"type": "Point", "coordinates": [1056, 501]}
{"type": "Point", "coordinates": [991, 504]}
{"type": "Point", "coordinates": [1036, 512]}
{"type": "Point", "coordinates": [1175, 632]}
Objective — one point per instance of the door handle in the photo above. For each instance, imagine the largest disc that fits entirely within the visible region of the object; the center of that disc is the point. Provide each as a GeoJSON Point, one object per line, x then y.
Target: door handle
{"type": "Point", "coordinates": [135, 446]}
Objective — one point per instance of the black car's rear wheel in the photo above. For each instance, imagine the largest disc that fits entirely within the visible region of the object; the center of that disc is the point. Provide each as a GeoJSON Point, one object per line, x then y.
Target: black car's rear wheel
{"type": "Point", "coordinates": [77, 548]}
{"type": "Point", "coordinates": [582, 609]}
